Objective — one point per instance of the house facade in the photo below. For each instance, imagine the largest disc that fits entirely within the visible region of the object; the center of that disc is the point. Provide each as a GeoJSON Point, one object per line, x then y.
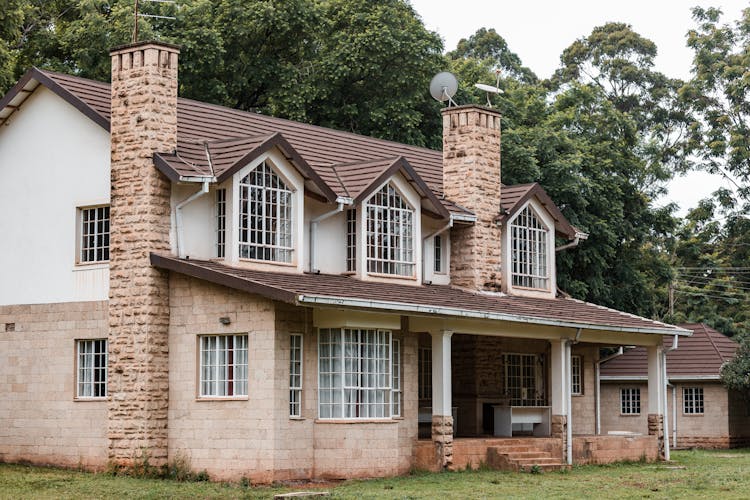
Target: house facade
{"type": "Point", "coordinates": [701, 412]}
{"type": "Point", "coordinates": [274, 300]}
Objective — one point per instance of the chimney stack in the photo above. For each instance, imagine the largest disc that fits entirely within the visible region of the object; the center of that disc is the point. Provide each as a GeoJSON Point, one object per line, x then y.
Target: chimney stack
{"type": "Point", "coordinates": [144, 121]}
{"type": "Point", "coordinates": [471, 178]}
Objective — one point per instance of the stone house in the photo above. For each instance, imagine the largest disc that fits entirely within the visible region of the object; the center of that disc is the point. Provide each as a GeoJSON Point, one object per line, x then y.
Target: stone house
{"type": "Point", "coordinates": [701, 412]}
{"type": "Point", "coordinates": [276, 300]}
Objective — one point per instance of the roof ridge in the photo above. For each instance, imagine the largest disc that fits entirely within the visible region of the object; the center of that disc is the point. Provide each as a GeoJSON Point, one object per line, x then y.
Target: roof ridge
{"type": "Point", "coordinates": [338, 178]}
{"type": "Point", "coordinates": [711, 340]}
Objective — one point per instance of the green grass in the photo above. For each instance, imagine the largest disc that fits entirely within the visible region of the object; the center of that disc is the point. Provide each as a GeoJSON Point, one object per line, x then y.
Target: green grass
{"type": "Point", "coordinates": [691, 474]}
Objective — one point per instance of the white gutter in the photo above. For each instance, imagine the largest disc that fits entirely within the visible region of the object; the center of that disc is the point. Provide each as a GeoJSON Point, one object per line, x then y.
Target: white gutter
{"type": "Point", "coordinates": [428, 310]}
{"type": "Point", "coordinates": [578, 238]}
{"type": "Point", "coordinates": [674, 416]}
{"type": "Point", "coordinates": [598, 388]}
{"type": "Point", "coordinates": [432, 235]}
{"type": "Point", "coordinates": [665, 418]}
{"type": "Point", "coordinates": [463, 218]}
{"type": "Point", "coordinates": [178, 214]}
{"type": "Point", "coordinates": [314, 226]}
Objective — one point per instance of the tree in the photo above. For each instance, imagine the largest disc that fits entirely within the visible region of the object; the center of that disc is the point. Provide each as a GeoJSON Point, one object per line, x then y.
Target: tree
{"type": "Point", "coordinates": [735, 374]}
{"type": "Point", "coordinates": [720, 92]}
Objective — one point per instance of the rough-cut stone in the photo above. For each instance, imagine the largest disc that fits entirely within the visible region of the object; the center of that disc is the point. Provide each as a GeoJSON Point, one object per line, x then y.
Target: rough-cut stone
{"type": "Point", "coordinates": [559, 430]}
{"type": "Point", "coordinates": [144, 121]}
{"type": "Point", "coordinates": [471, 178]}
{"type": "Point", "coordinates": [442, 436]}
{"type": "Point", "coordinates": [656, 428]}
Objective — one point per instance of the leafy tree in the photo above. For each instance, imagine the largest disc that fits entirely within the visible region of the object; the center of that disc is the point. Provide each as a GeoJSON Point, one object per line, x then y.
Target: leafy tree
{"type": "Point", "coordinates": [488, 46]}
{"type": "Point", "coordinates": [720, 92]}
{"type": "Point", "coordinates": [735, 374]}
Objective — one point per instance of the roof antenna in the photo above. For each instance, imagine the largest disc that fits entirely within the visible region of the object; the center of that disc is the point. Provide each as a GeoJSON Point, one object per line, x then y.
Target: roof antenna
{"type": "Point", "coordinates": [443, 87]}
{"type": "Point", "coordinates": [489, 88]}
{"type": "Point", "coordinates": [136, 15]}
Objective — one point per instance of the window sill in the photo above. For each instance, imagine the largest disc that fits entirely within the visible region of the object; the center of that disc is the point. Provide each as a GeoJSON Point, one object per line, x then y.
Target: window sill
{"type": "Point", "coordinates": [630, 414]}
{"type": "Point", "coordinates": [392, 276]}
{"type": "Point", "coordinates": [221, 398]}
{"type": "Point", "coordinates": [337, 421]}
{"type": "Point", "coordinates": [269, 262]}
{"type": "Point", "coordinates": [578, 395]}
{"type": "Point", "coordinates": [693, 414]}
{"type": "Point", "coordinates": [298, 419]}
{"type": "Point", "coordinates": [90, 400]}
{"type": "Point", "coordinates": [90, 266]}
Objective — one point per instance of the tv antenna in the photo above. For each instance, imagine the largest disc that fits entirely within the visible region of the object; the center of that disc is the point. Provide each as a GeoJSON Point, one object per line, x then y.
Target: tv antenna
{"type": "Point", "coordinates": [137, 14]}
{"type": "Point", "coordinates": [490, 89]}
{"type": "Point", "coordinates": [443, 87]}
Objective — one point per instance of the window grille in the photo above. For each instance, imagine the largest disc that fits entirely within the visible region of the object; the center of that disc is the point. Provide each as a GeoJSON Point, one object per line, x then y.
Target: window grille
{"type": "Point", "coordinates": [529, 251]}
{"type": "Point", "coordinates": [295, 375]}
{"type": "Point", "coordinates": [223, 365]}
{"type": "Point", "coordinates": [438, 257]}
{"type": "Point", "coordinates": [390, 245]}
{"type": "Point", "coordinates": [524, 380]}
{"type": "Point", "coordinates": [630, 401]}
{"type": "Point", "coordinates": [576, 385]}
{"type": "Point", "coordinates": [92, 368]}
{"type": "Point", "coordinates": [396, 378]}
{"type": "Point", "coordinates": [221, 222]}
{"type": "Point", "coordinates": [425, 373]}
{"type": "Point", "coordinates": [94, 234]}
{"type": "Point", "coordinates": [354, 367]}
{"type": "Point", "coordinates": [692, 400]}
{"type": "Point", "coordinates": [265, 216]}
{"type": "Point", "coordinates": [351, 239]}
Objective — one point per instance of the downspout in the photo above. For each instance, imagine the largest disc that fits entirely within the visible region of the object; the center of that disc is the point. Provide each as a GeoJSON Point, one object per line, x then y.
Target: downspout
{"type": "Point", "coordinates": [178, 215]}
{"type": "Point", "coordinates": [314, 226]}
{"type": "Point", "coordinates": [598, 389]}
{"type": "Point", "coordinates": [569, 396]}
{"type": "Point", "coordinates": [432, 235]}
{"type": "Point", "coordinates": [574, 243]}
{"type": "Point", "coordinates": [674, 416]}
{"type": "Point", "coordinates": [666, 383]}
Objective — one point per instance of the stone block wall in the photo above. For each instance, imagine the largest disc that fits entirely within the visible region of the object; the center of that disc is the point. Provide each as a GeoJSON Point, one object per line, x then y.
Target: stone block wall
{"type": "Point", "coordinates": [608, 449]}
{"type": "Point", "coordinates": [612, 420]}
{"type": "Point", "coordinates": [144, 121]}
{"type": "Point", "coordinates": [471, 178]}
{"type": "Point", "coordinates": [584, 406]}
{"type": "Point", "coordinates": [40, 420]}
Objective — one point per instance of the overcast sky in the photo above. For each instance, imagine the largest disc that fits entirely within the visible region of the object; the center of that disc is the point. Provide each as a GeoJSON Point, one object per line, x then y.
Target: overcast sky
{"type": "Point", "coordinates": [539, 30]}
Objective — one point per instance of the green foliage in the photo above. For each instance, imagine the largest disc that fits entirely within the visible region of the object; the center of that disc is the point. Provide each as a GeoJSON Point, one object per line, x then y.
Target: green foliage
{"type": "Point", "coordinates": [735, 374]}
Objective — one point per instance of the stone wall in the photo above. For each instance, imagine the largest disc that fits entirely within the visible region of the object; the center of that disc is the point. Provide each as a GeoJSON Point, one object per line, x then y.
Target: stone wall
{"type": "Point", "coordinates": [144, 121]}
{"type": "Point", "coordinates": [608, 449]}
{"type": "Point", "coordinates": [255, 437]}
{"type": "Point", "coordinates": [584, 405]}
{"type": "Point", "coordinates": [40, 420]}
{"type": "Point", "coordinates": [611, 418]}
{"type": "Point", "coordinates": [471, 178]}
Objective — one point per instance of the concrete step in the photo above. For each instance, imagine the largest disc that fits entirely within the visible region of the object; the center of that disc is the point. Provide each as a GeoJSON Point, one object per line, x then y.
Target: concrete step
{"type": "Point", "coordinates": [535, 461]}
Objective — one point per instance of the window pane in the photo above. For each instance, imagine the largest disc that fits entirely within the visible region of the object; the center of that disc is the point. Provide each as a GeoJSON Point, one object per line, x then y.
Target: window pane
{"type": "Point", "coordinates": [92, 368]}
{"type": "Point", "coordinates": [529, 267]}
{"type": "Point", "coordinates": [390, 242]}
{"type": "Point", "coordinates": [94, 234]}
{"type": "Point", "coordinates": [224, 365]}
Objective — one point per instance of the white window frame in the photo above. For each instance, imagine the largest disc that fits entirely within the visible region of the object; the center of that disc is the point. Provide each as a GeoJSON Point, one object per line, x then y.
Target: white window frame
{"type": "Point", "coordinates": [93, 246]}
{"type": "Point", "coordinates": [221, 223]}
{"type": "Point", "coordinates": [529, 251]}
{"type": "Point", "coordinates": [295, 374]}
{"type": "Point", "coordinates": [355, 375]}
{"type": "Point", "coordinates": [576, 375]}
{"type": "Point", "coordinates": [273, 216]}
{"type": "Point", "coordinates": [530, 369]}
{"type": "Point", "coordinates": [351, 240]}
{"type": "Point", "coordinates": [223, 378]}
{"type": "Point", "coordinates": [438, 254]}
{"type": "Point", "coordinates": [424, 377]}
{"type": "Point", "coordinates": [91, 369]}
{"type": "Point", "coordinates": [630, 401]}
{"type": "Point", "coordinates": [693, 400]}
{"type": "Point", "coordinates": [395, 378]}
{"type": "Point", "coordinates": [390, 233]}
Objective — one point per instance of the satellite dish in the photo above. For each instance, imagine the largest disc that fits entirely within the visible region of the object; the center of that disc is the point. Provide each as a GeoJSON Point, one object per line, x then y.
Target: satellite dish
{"type": "Point", "coordinates": [443, 87]}
{"type": "Point", "coordinates": [489, 88]}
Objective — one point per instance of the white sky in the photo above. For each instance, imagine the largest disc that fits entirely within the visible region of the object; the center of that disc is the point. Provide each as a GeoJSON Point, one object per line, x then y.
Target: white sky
{"type": "Point", "coordinates": [539, 30]}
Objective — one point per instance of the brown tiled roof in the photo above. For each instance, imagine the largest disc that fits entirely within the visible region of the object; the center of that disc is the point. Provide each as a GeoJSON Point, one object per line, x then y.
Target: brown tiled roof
{"type": "Point", "coordinates": [513, 197]}
{"type": "Point", "coordinates": [430, 299]}
{"type": "Point", "coordinates": [698, 356]}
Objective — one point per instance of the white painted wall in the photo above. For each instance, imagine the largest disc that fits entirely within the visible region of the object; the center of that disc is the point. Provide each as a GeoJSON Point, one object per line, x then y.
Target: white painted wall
{"type": "Point", "coordinates": [52, 160]}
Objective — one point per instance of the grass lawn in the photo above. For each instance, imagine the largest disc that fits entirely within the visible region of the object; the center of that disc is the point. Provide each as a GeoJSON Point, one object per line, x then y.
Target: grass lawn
{"type": "Point", "coordinates": [691, 474]}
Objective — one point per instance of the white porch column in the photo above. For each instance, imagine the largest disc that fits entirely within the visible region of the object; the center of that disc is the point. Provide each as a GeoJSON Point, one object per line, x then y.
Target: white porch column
{"type": "Point", "coordinates": [442, 417]}
{"type": "Point", "coordinates": [559, 393]}
{"type": "Point", "coordinates": [656, 395]}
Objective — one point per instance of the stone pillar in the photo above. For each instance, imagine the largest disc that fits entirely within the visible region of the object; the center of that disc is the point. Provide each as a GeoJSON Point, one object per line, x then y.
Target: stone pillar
{"type": "Point", "coordinates": [656, 396]}
{"type": "Point", "coordinates": [144, 121]}
{"type": "Point", "coordinates": [559, 392]}
{"type": "Point", "coordinates": [442, 416]}
{"type": "Point", "coordinates": [559, 430]}
{"type": "Point", "coordinates": [471, 178]}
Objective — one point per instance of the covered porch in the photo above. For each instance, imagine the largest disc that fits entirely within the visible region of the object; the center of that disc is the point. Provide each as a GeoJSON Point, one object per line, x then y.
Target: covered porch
{"type": "Point", "coordinates": [508, 395]}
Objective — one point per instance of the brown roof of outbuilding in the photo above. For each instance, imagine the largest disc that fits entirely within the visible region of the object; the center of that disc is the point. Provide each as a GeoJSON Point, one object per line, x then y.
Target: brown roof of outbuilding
{"type": "Point", "coordinates": [698, 356]}
{"type": "Point", "coordinates": [431, 299]}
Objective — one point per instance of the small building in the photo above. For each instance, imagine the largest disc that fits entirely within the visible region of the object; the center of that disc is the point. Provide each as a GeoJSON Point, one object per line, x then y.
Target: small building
{"type": "Point", "coordinates": [701, 412]}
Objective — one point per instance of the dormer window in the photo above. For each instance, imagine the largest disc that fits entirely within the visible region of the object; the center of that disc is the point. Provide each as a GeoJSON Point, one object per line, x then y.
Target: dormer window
{"type": "Point", "coordinates": [528, 239]}
{"type": "Point", "coordinates": [265, 217]}
{"type": "Point", "coordinates": [390, 234]}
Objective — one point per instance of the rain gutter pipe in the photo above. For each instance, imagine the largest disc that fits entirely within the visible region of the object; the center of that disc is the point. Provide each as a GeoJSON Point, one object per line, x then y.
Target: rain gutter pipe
{"type": "Point", "coordinates": [178, 214]}
{"type": "Point", "coordinates": [342, 201]}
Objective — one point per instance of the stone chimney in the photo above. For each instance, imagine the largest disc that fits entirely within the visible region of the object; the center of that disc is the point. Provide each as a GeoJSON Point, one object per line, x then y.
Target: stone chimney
{"type": "Point", "coordinates": [471, 178]}
{"type": "Point", "coordinates": [144, 121]}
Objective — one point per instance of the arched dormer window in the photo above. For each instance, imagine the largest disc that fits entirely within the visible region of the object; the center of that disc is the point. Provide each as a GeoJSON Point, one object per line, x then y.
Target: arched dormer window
{"type": "Point", "coordinates": [265, 216]}
{"type": "Point", "coordinates": [390, 233]}
{"type": "Point", "coordinates": [529, 266]}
